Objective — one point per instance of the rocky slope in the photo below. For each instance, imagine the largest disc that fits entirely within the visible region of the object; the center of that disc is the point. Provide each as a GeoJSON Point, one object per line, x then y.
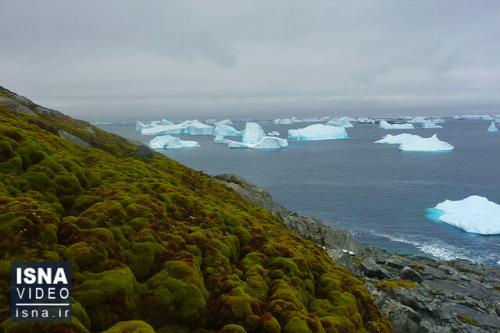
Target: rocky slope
{"type": "Point", "coordinates": [418, 294]}
{"type": "Point", "coordinates": [154, 245]}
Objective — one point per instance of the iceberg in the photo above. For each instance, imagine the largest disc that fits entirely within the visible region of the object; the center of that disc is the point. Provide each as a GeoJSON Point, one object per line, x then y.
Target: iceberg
{"type": "Point", "coordinates": [425, 144]}
{"type": "Point", "coordinates": [318, 132]}
{"type": "Point", "coordinates": [228, 122]}
{"type": "Point", "coordinates": [492, 127]}
{"type": "Point", "coordinates": [341, 122]}
{"type": "Point", "coordinates": [188, 127]}
{"type": "Point", "coordinates": [364, 120]}
{"type": "Point", "coordinates": [273, 133]}
{"type": "Point", "coordinates": [430, 124]}
{"type": "Point", "coordinates": [254, 137]}
{"type": "Point", "coordinates": [220, 139]}
{"type": "Point", "coordinates": [171, 142]}
{"type": "Point", "coordinates": [166, 122]}
{"type": "Point", "coordinates": [285, 121]}
{"type": "Point", "coordinates": [221, 129]}
{"type": "Point", "coordinates": [210, 121]}
{"type": "Point", "coordinates": [410, 142]}
{"type": "Point", "coordinates": [253, 133]}
{"type": "Point", "coordinates": [397, 139]}
{"type": "Point", "coordinates": [474, 214]}
{"type": "Point", "coordinates": [139, 125]}
{"type": "Point", "coordinates": [385, 125]}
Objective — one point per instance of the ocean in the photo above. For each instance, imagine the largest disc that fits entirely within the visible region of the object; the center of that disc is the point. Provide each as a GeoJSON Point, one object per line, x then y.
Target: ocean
{"type": "Point", "coordinates": [373, 190]}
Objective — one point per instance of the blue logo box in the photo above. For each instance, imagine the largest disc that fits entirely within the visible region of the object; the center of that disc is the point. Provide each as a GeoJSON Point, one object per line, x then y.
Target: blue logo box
{"type": "Point", "coordinates": [41, 291]}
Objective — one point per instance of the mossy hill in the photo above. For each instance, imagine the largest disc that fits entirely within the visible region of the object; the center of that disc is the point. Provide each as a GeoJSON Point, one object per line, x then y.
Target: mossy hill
{"type": "Point", "coordinates": [156, 246]}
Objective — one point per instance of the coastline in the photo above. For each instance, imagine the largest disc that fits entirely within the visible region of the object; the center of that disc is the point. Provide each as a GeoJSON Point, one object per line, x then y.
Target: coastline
{"type": "Point", "coordinates": [418, 294]}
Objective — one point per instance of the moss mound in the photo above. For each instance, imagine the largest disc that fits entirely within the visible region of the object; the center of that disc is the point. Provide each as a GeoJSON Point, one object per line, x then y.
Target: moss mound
{"type": "Point", "coordinates": [150, 239]}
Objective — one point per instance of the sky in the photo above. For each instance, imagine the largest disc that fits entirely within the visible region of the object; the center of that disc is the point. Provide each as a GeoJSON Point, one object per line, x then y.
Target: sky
{"type": "Point", "coordinates": [128, 60]}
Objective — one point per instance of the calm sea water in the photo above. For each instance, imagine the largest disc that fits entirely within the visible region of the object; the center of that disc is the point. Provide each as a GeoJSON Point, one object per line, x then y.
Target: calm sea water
{"type": "Point", "coordinates": [373, 190]}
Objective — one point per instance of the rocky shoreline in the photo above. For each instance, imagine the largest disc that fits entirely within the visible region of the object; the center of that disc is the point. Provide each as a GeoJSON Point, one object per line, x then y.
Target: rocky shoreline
{"type": "Point", "coordinates": [418, 294]}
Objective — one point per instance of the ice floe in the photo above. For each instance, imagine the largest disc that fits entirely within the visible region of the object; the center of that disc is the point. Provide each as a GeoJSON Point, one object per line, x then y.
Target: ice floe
{"type": "Point", "coordinates": [474, 214]}
{"type": "Point", "coordinates": [318, 132]}
{"type": "Point", "coordinates": [341, 122]}
{"type": "Point", "coordinates": [254, 137]}
{"type": "Point", "coordinates": [273, 133]}
{"type": "Point", "coordinates": [385, 125]}
{"type": "Point", "coordinates": [171, 142]}
{"type": "Point", "coordinates": [223, 129]}
{"type": "Point", "coordinates": [188, 127]}
{"type": "Point", "coordinates": [492, 127]}
{"type": "Point", "coordinates": [410, 142]}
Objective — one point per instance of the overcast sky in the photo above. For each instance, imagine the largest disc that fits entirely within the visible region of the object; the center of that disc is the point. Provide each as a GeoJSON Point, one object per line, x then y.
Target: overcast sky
{"type": "Point", "coordinates": [110, 60]}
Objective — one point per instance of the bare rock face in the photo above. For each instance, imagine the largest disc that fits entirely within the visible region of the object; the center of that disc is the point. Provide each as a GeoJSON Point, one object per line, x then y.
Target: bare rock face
{"type": "Point", "coordinates": [418, 294]}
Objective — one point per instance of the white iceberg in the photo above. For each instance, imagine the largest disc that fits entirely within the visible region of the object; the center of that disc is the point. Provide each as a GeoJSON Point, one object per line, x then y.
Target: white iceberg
{"type": "Point", "coordinates": [253, 133]}
{"type": "Point", "coordinates": [397, 139]}
{"type": "Point", "coordinates": [425, 144]}
{"type": "Point", "coordinates": [222, 129]}
{"type": "Point", "coordinates": [341, 122]}
{"type": "Point", "coordinates": [410, 142]}
{"type": "Point", "coordinates": [365, 120]}
{"type": "Point", "coordinates": [285, 121]}
{"type": "Point", "coordinates": [188, 127]}
{"type": "Point", "coordinates": [273, 133]}
{"type": "Point", "coordinates": [254, 137]}
{"type": "Point", "coordinates": [210, 121]}
{"type": "Point", "coordinates": [318, 132]}
{"type": "Point", "coordinates": [171, 142]}
{"type": "Point", "coordinates": [428, 123]}
{"type": "Point", "coordinates": [492, 127]}
{"type": "Point", "coordinates": [228, 122]}
{"type": "Point", "coordinates": [473, 214]}
{"type": "Point", "coordinates": [385, 125]}
{"type": "Point", "coordinates": [220, 139]}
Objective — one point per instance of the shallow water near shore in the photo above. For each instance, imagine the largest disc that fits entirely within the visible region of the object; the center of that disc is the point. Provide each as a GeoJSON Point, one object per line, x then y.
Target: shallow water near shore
{"type": "Point", "coordinates": [373, 190]}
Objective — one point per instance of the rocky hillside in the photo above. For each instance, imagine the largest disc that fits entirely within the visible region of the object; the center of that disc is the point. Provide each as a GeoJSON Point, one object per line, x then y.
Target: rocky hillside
{"type": "Point", "coordinates": [156, 246]}
{"type": "Point", "coordinates": [417, 294]}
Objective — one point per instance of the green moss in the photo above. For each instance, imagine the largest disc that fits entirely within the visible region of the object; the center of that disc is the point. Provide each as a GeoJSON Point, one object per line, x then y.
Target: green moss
{"type": "Point", "coordinates": [133, 326]}
{"type": "Point", "coordinates": [107, 296]}
{"type": "Point", "coordinates": [82, 256]}
{"type": "Point", "coordinates": [297, 325]}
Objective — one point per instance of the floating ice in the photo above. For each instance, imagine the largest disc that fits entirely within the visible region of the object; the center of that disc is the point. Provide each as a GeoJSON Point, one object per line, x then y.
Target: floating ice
{"type": "Point", "coordinates": [492, 127]}
{"type": "Point", "coordinates": [285, 121]}
{"type": "Point", "coordinates": [254, 137]}
{"type": "Point", "coordinates": [410, 142]}
{"type": "Point", "coordinates": [474, 214]}
{"type": "Point", "coordinates": [385, 125]}
{"type": "Point", "coordinates": [220, 139]}
{"type": "Point", "coordinates": [364, 120]}
{"type": "Point", "coordinates": [273, 133]}
{"type": "Point", "coordinates": [341, 122]}
{"type": "Point", "coordinates": [430, 124]}
{"type": "Point", "coordinates": [210, 121]}
{"type": "Point", "coordinates": [397, 139]}
{"type": "Point", "coordinates": [171, 142]}
{"type": "Point", "coordinates": [225, 122]}
{"type": "Point", "coordinates": [222, 129]}
{"type": "Point", "coordinates": [253, 133]}
{"type": "Point", "coordinates": [188, 127]}
{"type": "Point", "coordinates": [318, 132]}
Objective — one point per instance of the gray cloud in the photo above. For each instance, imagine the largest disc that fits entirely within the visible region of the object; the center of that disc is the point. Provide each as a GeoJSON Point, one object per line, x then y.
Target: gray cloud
{"type": "Point", "coordinates": [137, 59]}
